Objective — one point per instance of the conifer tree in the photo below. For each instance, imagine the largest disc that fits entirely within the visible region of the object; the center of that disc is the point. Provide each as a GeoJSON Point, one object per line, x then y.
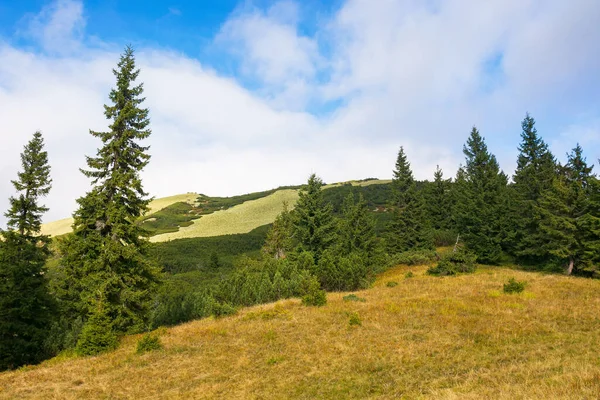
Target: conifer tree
{"type": "Point", "coordinates": [409, 228]}
{"type": "Point", "coordinates": [279, 238]}
{"type": "Point", "coordinates": [438, 201]}
{"type": "Point", "coordinates": [25, 214]}
{"type": "Point", "coordinates": [105, 259]}
{"type": "Point", "coordinates": [482, 202]}
{"type": "Point", "coordinates": [536, 169]}
{"type": "Point", "coordinates": [314, 227]}
{"type": "Point", "coordinates": [356, 228]}
{"type": "Point", "coordinates": [25, 305]}
{"type": "Point", "coordinates": [568, 215]}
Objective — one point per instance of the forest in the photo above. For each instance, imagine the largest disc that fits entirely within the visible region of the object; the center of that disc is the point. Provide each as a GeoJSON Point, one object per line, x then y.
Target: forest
{"type": "Point", "coordinates": [81, 292]}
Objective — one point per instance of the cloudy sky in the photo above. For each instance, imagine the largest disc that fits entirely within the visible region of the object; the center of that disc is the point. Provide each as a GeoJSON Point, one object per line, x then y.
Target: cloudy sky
{"type": "Point", "coordinates": [250, 95]}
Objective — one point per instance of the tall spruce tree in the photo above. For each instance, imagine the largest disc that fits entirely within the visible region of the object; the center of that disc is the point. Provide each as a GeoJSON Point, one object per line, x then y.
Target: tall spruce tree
{"type": "Point", "coordinates": [314, 227]}
{"type": "Point", "coordinates": [568, 215]}
{"type": "Point", "coordinates": [438, 201]}
{"type": "Point", "coordinates": [105, 260]}
{"type": "Point", "coordinates": [536, 169]}
{"type": "Point", "coordinates": [482, 201]}
{"type": "Point", "coordinates": [409, 227]}
{"type": "Point", "coordinates": [25, 305]}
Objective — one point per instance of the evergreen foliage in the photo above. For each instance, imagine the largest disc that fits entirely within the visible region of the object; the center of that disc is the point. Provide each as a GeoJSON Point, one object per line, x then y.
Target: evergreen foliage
{"type": "Point", "coordinates": [481, 201]}
{"type": "Point", "coordinates": [536, 169]}
{"type": "Point", "coordinates": [25, 304]}
{"type": "Point", "coordinates": [279, 242]}
{"type": "Point", "coordinates": [25, 214]}
{"type": "Point", "coordinates": [314, 228]}
{"type": "Point", "coordinates": [104, 260]}
{"type": "Point", "coordinates": [438, 201]}
{"type": "Point", "coordinates": [409, 227]}
{"type": "Point", "coordinates": [568, 214]}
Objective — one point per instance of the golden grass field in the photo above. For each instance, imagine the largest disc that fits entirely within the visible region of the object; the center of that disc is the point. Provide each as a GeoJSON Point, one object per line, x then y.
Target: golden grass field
{"type": "Point", "coordinates": [60, 227]}
{"type": "Point", "coordinates": [426, 338]}
{"type": "Point", "coordinates": [238, 219]}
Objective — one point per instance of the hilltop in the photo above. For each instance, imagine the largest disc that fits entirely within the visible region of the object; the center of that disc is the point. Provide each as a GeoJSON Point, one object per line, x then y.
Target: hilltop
{"type": "Point", "coordinates": [427, 337]}
{"type": "Point", "coordinates": [223, 216]}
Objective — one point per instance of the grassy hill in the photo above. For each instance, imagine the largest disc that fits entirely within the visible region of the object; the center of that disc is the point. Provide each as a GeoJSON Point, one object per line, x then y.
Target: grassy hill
{"type": "Point", "coordinates": [192, 215]}
{"type": "Point", "coordinates": [430, 338]}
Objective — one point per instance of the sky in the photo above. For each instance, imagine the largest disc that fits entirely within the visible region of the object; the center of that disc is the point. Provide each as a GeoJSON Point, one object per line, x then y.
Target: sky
{"type": "Point", "coordinates": [250, 95]}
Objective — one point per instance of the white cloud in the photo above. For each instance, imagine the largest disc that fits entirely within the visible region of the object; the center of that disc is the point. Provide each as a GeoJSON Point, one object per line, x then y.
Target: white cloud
{"type": "Point", "coordinates": [406, 74]}
{"type": "Point", "coordinates": [59, 27]}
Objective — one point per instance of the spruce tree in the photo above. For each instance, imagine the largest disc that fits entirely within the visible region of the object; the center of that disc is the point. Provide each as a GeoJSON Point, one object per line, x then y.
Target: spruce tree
{"type": "Point", "coordinates": [314, 227]}
{"type": "Point", "coordinates": [279, 238]}
{"type": "Point", "coordinates": [25, 214]}
{"type": "Point", "coordinates": [409, 228]}
{"type": "Point", "coordinates": [105, 259]}
{"type": "Point", "coordinates": [438, 201]}
{"type": "Point", "coordinates": [481, 206]}
{"type": "Point", "coordinates": [25, 305]}
{"type": "Point", "coordinates": [568, 216]}
{"type": "Point", "coordinates": [536, 169]}
{"type": "Point", "coordinates": [356, 228]}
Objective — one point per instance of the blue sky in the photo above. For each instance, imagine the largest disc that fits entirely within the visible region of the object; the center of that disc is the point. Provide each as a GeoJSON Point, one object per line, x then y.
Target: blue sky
{"type": "Point", "coordinates": [250, 95]}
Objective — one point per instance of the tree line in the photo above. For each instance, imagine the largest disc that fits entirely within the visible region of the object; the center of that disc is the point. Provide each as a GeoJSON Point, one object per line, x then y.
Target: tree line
{"type": "Point", "coordinates": [107, 284]}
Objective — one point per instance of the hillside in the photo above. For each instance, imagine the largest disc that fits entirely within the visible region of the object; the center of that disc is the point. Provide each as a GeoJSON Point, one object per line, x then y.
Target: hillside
{"type": "Point", "coordinates": [427, 337]}
{"type": "Point", "coordinates": [237, 216]}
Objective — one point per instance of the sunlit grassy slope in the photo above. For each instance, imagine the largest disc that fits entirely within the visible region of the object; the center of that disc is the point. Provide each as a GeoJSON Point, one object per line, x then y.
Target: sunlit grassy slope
{"type": "Point", "coordinates": [426, 338]}
{"type": "Point", "coordinates": [239, 219]}
{"type": "Point", "coordinates": [63, 226]}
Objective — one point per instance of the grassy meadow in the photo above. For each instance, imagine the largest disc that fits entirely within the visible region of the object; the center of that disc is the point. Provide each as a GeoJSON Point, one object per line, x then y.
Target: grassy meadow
{"type": "Point", "coordinates": [424, 338]}
{"type": "Point", "coordinates": [241, 218]}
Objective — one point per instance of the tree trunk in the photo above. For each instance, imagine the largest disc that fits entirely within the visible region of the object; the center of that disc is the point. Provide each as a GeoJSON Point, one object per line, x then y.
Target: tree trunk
{"type": "Point", "coordinates": [569, 268]}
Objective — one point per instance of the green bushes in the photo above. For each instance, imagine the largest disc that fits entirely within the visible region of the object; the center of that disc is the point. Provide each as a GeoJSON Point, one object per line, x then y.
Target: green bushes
{"type": "Point", "coordinates": [147, 343]}
{"type": "Point", "coordinates": [391, 284]}
{"type": "Point", "coordinates": [184, 255]}
{"type": "Point", "coordinates": [413, 257]}
{"type": "Point", "coordinates": [514, 286]}
{"type": "Point", "coordinates": [97, 336]}
{"type": "Point", "coordinates": [458, 262]}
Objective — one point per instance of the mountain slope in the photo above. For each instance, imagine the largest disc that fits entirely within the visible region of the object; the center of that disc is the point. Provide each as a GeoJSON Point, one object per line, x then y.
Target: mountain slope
{"type": "Point", "coordinates": [241, 218]}
{"type": "Point", "coordinates": [427, 337]}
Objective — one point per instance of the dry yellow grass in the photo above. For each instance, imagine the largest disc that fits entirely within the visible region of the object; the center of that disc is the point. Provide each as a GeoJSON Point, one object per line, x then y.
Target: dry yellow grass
{"type": "Point", "coordinates": [60, 227]}
{"type": "Point", "coordinates": [426, 338]}
{"type": "Point", "coordinates": [238, 219]}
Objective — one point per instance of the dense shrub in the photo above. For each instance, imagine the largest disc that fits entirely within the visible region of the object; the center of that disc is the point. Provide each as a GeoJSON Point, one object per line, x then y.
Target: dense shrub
{"type": "Point", "coordinates": [353, 297]}
{"type": "Point", "coordinates": [344, 273]}
{"type": "Point", "coordinates": [391, 284]}
{"type": "Point", "coordinates": [193, 254]}
{"type": "Point", "coordinates": [514, 286]}
{"type": "Point", "coordinates": [147, 343]}
{"type": "Point", "coordinates": [458, 262]}
{"type": "Point", "coordinates": [444, 238]}
{"type": "Point", "coordinates": [413, 257]}
{"type": "Point", "coordinates": [97, 336]}
{"type": "Point", "coordinates": [355, 320]}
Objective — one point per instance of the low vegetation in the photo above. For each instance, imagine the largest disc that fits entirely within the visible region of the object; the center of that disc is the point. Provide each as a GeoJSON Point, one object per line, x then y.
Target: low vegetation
{"type": "Point", "coordinates": [427, 338]}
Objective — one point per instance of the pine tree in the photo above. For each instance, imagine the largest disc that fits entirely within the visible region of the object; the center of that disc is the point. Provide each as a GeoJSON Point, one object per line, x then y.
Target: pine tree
{"type": "Point", "coordinates": [409, 228]}
{"type": "Point", "coordinates": [279, 238]}
{"type": "Point", "coordinates": [356, 228]}
{"type": "Point", "coordinates": [568, 216]}
{"type": "Point", "coordinates": [536, 169]}
{"type": "Point", "coordinates": [438, 201]}
{"type": "Point", "coordinates": [481, 206]}
{"type": "Point", "coordinates": [25, 214]}
{"type": "Point", "coordinates": [314, 227]}
{"type": "Point", "coordinates": [25, 305]}
{"type": "Point", "coordinates": [105, 259]}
